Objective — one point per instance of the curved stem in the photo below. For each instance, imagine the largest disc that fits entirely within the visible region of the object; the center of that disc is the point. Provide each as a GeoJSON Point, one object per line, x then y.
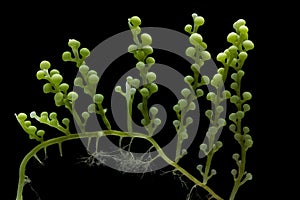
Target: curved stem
{"type": "Point", "coordinates": [98, 134]}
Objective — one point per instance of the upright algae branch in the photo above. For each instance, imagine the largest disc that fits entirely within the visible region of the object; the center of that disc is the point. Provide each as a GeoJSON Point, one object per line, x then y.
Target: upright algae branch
{"type": "Point", "coordinates": [232, 59]}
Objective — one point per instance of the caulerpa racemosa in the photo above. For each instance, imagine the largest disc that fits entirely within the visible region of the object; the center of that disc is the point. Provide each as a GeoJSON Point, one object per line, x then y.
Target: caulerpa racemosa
{"type": "Point", "coordinates": [142, 88]}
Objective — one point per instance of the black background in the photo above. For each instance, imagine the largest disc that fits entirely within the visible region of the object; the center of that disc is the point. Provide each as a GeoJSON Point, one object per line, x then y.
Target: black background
{"type": "Point", "coordinates": [42, 32]}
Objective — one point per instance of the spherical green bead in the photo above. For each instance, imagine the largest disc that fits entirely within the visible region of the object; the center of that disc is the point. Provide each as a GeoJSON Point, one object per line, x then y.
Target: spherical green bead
{"type": "Point", "coordinates": [247, 95]}
{"type": "Point", "coordinates": [44, 114]}
{"type": "Point", "coordinates": [188, 28]}
{"type": "Point", "coordinates": [190, 52]}
{"type": "Point", "coordinates": [74, 44]}
{"type": "Point", "coordinates": [185, 92]}
{"type": "Point", "coordinates": [234, 99]}
{"type": "Point", "coordinates": [53, 115]}
{"type": "Point", "coordinates": [238, 24]}
{"type": "Point", "coordinates": [56, 79]}
{"type": "Point", "coordinates": [150, 60]}
{"type": "Point", "coordinates": [243, 29]}
{"type": "Point", "coordinates": [226, 94]}
{"type": "Point", "coordinates": [91, 108]}
{"type": "Point", "coordinates": [205, 80]}
{"type": "Point", "coordinates": [196, 39]}
{"type": "Point", "coordinates": [98, 98]}
{"type": "Point", "coordinates": [176, 123]}
{"type": "Point", "coordinates": [151, 76]}
{"type": "Point", "coordinates": [232, 117]}
{"type": "Point", "coordinates": [232, 37]}
{"type": "Point", "coordinates": [40, 74]}
{"type": "Point", "coordinates": [153, 110]}
{"type": "Point", "coordinates": [189, 120]}
{"type": "Point", "coordinates": [144, 92]}
{"type": "Point", "coordinates": [66, 121]}
{"type": "Point", "coordinates": [132, 91]}
{"type": "Point", "coordinates": [234, 86]}
{"type": "Point", "coordinates": [246, 107]}
{"type": "Point", "coordinates": [176, 108]}
{"type": "Point", "coordinates": [205, 55]}
{"type": "Point", "coordinates": [199, 167]}
{"type": "Point", "coordinates": [40, 133]}
{"type": "Point", "coordinates": [217, 80]}
{"type": "Point", "coordinates": [219, 144]}
{"type": "Point", "coordinates": [219, 109]}
{"type": "Point", "coordinates": [221, 71]}
{"type": "Point", "coordinates": [135, 83]}
{"type": "Point", "coordinates": [83, 69]}
{"type": "Point", "coordinates": [199, 93]}
{"type": "Point", "coordinates": [58, 97]}
{"type": "Point", "coordinates": [194, 15]}
{"type": "Point", "coordinates": [85, 115]}
{"type": "Point", "coordinates": [84, 52]}
{"type": "Point", "coordinates": [129, 79]}
{"type": "Point", "coordinates": [118, 89]}
{"type": "Point", "coordinates": [66, 56]}
{"type": "Point", "coordinates": [209, 114]}
{"type": "Point", "coordinates": [78, 81]}
{"type": "Point", "coordinates": [64, 87]}
{"type": "Point", "coordinates": [31, 129]}
{"type": "Point", "coordinates": [22, 116]}
{"type": "Point", "coordinates": [47, 88]}
{"type": "Point", "coordinates": [153, 88]}
{"type": "Point", "coordinates": [211, 96]}
{"type": "Point", "coordinates": [234, 76]}
{"type": "Point", "coordinates": [235, 156]}
{"type": "Point", "coordinates": [33, 114]}
{"type": "Point", "coordinates": [233, 50]}
{"type": "Point", "coordinates": [221, 122]}
{"type": "Point", "coordinates": [192, 106]}
{"type": "Point", "coordinates": [72, 96]}
{"type": "Point", "coordinates": [249, 176]}
{"type": "Point", "coordinates": [140, 65]}
{"type": "Point", "coordinates": [182, 103]}
{"type": "Point", "coordinates": [234, 172]}
{"type": "Point", "coordinates": [243, 55]}
{"type": "Point", "coordinates": [240, 114]}
{"type": "Point", "coordinates": [189, 79]}
{"type": "Point", "coordinates": [232, 127]}
{"type": "Point", "coordinates": [157, 121]}
{"type": "Point", "coordinates": [248, 45]}
{"type": "Point", "coordinates": [246, 129]}
{"type": "Point", "coordinates": [199, 21]}
{"type": "Point", "coordinates": [213, 172]}
{"type": "Point", "coordinates": [135, 21]}
{"type": "Point", "coordinates": [27, 123]}
{"type": "Point", "coordinates": [221, 57]}
{"type": "Point", "coordinates": [240, 73]}
{"type": "Point", "coordinates": [44, 65]}
{"type": "Point", "coordinates": [93, 79]}
{"type": "Point", "coordinates": [195, 67]}
{"type": "Point", "coordinates": [146, 39]}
